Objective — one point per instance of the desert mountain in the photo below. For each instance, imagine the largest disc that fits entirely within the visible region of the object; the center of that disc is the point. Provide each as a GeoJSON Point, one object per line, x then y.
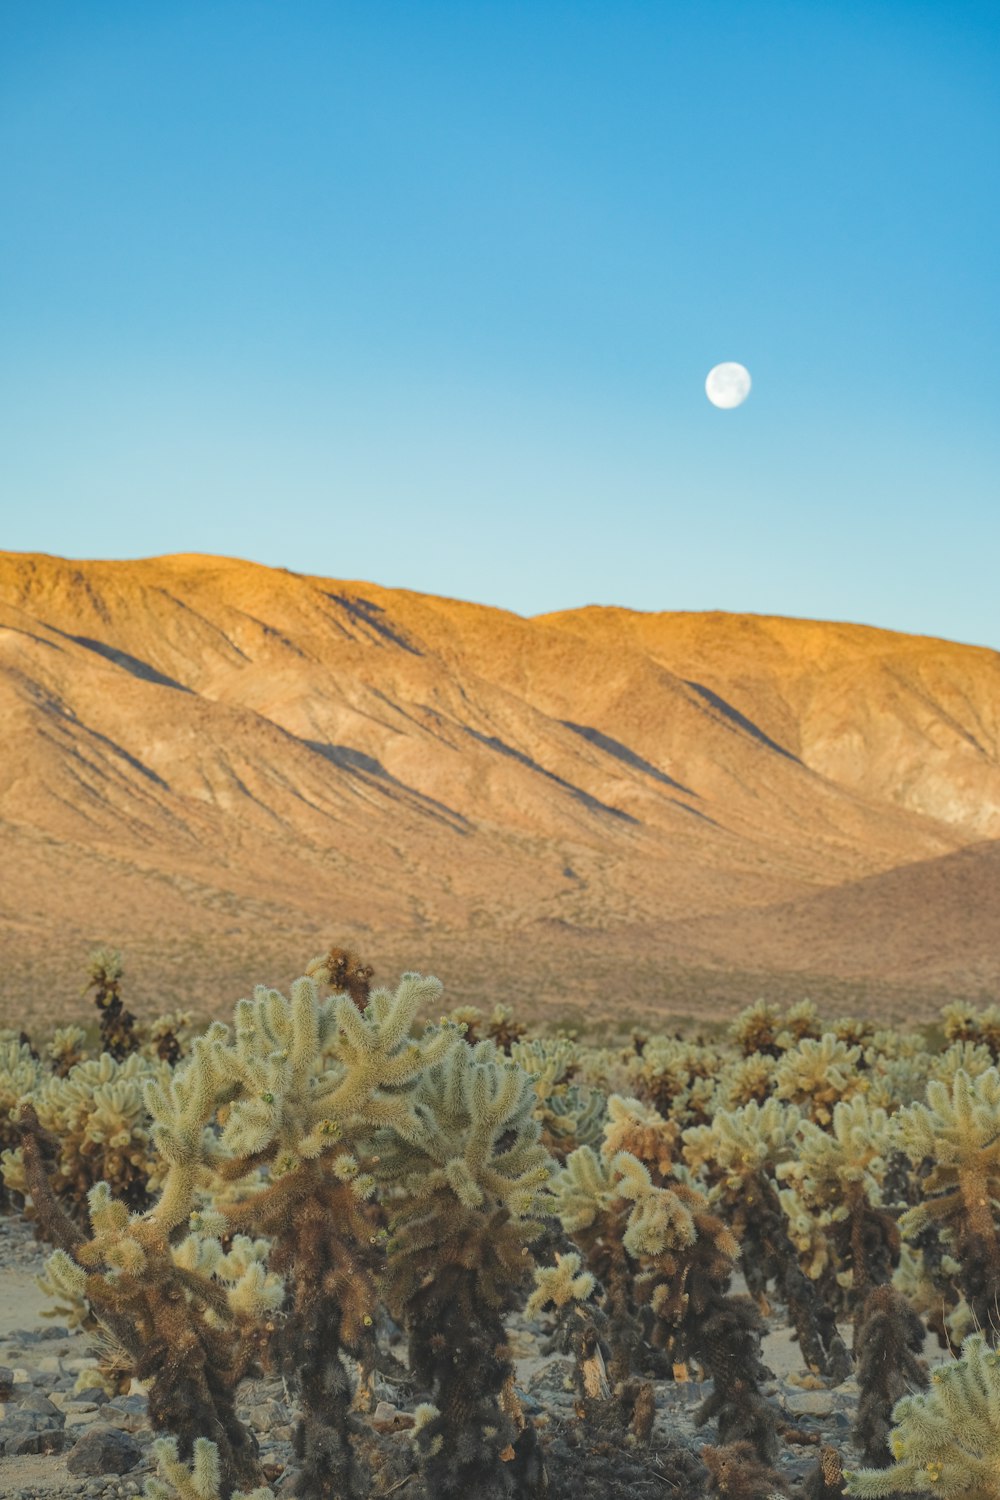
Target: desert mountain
{"type": "Point", "coordinates": [219, 767]}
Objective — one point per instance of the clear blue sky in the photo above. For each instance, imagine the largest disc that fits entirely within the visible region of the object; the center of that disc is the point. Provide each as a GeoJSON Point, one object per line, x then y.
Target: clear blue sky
{"type": "Point", "coordinates": [425, 293]}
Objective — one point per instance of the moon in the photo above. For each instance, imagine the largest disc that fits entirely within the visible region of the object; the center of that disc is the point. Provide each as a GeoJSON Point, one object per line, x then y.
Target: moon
{"type": "Point", "coordinates": [728, 385]}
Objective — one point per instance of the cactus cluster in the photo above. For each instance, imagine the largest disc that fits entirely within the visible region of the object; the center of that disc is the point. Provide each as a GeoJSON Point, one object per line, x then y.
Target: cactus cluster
{"type": "Point", "coordinates": [342, 1190]}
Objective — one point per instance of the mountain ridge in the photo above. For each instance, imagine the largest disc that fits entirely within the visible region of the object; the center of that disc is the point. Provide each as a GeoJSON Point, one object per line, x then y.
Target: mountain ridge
{"type": "Point", "coordinates": [420, 774]}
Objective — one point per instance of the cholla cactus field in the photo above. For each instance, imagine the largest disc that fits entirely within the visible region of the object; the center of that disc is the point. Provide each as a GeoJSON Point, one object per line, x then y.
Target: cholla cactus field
{"type": "Point", "coordinates": [473, 1260]}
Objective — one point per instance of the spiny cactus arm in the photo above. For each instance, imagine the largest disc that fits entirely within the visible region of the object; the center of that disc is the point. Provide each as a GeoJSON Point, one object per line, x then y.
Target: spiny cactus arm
{"type": "Point", "coordinates": [818, 1073]}
{"type": "Point", "coordinates": [741, 1142]}
{"type": "Point", "coordinates": [182, 1107]}
{"type": "Point", "coordinates": [56, 1224]}
{"type": "Point", "coordinates": [582, 1189]}
{"type": "Point", "coordinates": [957, 1129]}
{"type": "Point", "coordinates": [379, 1055]}
{"type": "Point", "coordinates": [955, 1122]}
{"type": "Point", "coordinates": [948, 1440]}
{"type": "Point", "coordinates": [497, 1101]}
{"type": "Point", "coordinates": [659, 1219]}
{"type": "Point", "coordinates": [559, 1285]}
{"type": "Point", "coordinates": [198, 1480]}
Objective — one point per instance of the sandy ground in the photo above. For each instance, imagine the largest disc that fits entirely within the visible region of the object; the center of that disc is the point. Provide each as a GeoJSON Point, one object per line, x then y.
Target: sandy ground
{"type": "Point", "coordinates": [22, 1300]}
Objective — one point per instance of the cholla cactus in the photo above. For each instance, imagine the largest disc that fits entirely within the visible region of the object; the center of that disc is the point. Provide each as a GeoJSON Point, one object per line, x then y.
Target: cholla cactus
{"type": "Point", "coordinates": [677, 1078]}
{"type": "Point", "coordinates": [169, 1035]}
{"type": "Point", "coordinates": [946, 1442]}
{"type": "Point", "coordinates": [644, 1134]}
{"type": "Point", "coordinates": [838, 1176]}
{"type": "Point", "coordinates": [308, 1083]}
{"type": "Point", "coordinates": [569, 1116]}
{"type": "Point", "coordinates": [296, 1088]}
{"type": "Point", "coordinates": [659, 1247]}
{"type": "Point", "coordinates": [66, 1049]}
{"type": "Point", "coordinates": [468, 1182]}
{"type": "Point", "coordinates": [503, 1028]}
{"type": "Point", "coordinates": [957, 1131]}
{"type": "Point", "coordinates": [817, 1074]}
{"type": "Point", "coordinates": [569, 1290]}
{"type": "Point", "coordinates": [968, 1056]}
{"type": "Point", "coordinates": [742, 1142]}
{"type": "Point", "coordinates": [173, 1322]}
{"type": "Point", "coordinates": [963, 1023]}
{"type": "Point", "coordinates": [853, 1031]}
{"type": "Point", "coordinates": [344, 972]}
{"type": "Point", "coordinates": [740, 1155]}
{"type": "Point", "coordinates": [198, 1480]}
{"type": "Point", "coordinates": [890, 1338]}
{"type": "Point", "coordinates": [756, 1029]}
{"type": "Point", "coordinates": [737, 1473]}
{"type": "Point", "coordinates": [99, 1123]}
{"type": "Point", "coordinates": [892, 1081]}
{"type": "Point", "coordinates": [750, 1080]}
{"type": "Point", "coordinates": [926, 1276]}
{"type": "Point", "coordinates": [762, 1028]}
{"type": "Point", "coordinates": [20, 1072]}
{"type": "Point", "coordinates": [104, 977]}
{"type": "Point", "coordinates": [559, 1286]}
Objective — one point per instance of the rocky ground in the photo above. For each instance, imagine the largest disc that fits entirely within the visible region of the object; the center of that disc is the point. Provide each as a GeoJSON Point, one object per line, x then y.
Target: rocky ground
{"type": "Point", "coordinates": [61, 1436]}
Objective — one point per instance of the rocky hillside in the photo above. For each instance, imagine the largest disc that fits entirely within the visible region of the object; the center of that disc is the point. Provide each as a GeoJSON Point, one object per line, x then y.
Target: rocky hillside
{"type": "Point", "coordinates": [219, 767]}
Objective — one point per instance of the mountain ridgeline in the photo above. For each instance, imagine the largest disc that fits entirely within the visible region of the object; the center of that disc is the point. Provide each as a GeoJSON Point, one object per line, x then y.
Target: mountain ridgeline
{"type": "Point", "coordinates": [221, 767]}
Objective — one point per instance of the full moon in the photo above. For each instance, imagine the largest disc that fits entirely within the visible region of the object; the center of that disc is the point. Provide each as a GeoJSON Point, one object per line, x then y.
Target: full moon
{"type": "Point", "coordinates": [728, 385]}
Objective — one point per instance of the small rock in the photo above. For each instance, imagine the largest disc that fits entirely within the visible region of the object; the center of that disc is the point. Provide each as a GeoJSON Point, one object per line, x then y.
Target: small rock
{"type": "Point", "coordinates": [93, 1393]}
{"type": "Point", "coordinates": [50, 1364]}
{"type": "Point", "coordinates": [82, 1418]}
{"type": "Point", "coordinates": [133, 1404]}
{"type": "Point", "coordinates": [103, 1450]}
{"type": "Point", "coordinates": [36, 1402]}
{"type": "Point", "coordinates": [127, 1413]}
{"type": "Point", "coordinates": [20, 1443]}
{"type": "Point", "coordinates": [812, 1403]}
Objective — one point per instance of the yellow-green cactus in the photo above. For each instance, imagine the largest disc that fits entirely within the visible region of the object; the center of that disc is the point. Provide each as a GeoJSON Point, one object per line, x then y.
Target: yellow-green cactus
{"type": "Point", "coordinates": [200, 1479]}
{"type": "Point", "coordinates": [817, 1074]}
{"type": "Point", "coordinates": [837, 1174]}
{"type": "Point", "coordinates": [677, 1078]}
{"type": "Point", "coordinates": [66, 1048]}
{"type": "Point", "coordinates": [468, 1184]}
{"type": "Point", "coordinates": [742, 1142]}
{"type": "Point", "coordinates": [748, 1080]}
{"type": "Point", "coordinates": [742, 1156]}
{"type": "Point", "coordinates": [964, 1023]}
{"type": "Point", "coordinates": [945, 1442]}
{"type": "Point", "coordinates": [99, 1122]}
{"type": "Point", "coordinates": [956, 1131]}
{"type": "Point", "coordinates": [559, 1285]}
{"type": "Point", "coordinates": [20, 1072]}
{"type": "Point", "coordinates": [762, 1028]}
{"type": "Point", "coordinates": [569, 1115]}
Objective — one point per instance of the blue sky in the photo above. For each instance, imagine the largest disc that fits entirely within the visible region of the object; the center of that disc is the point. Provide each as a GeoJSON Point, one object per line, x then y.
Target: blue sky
{"type": "Point", "coordinates": [426, 293]}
